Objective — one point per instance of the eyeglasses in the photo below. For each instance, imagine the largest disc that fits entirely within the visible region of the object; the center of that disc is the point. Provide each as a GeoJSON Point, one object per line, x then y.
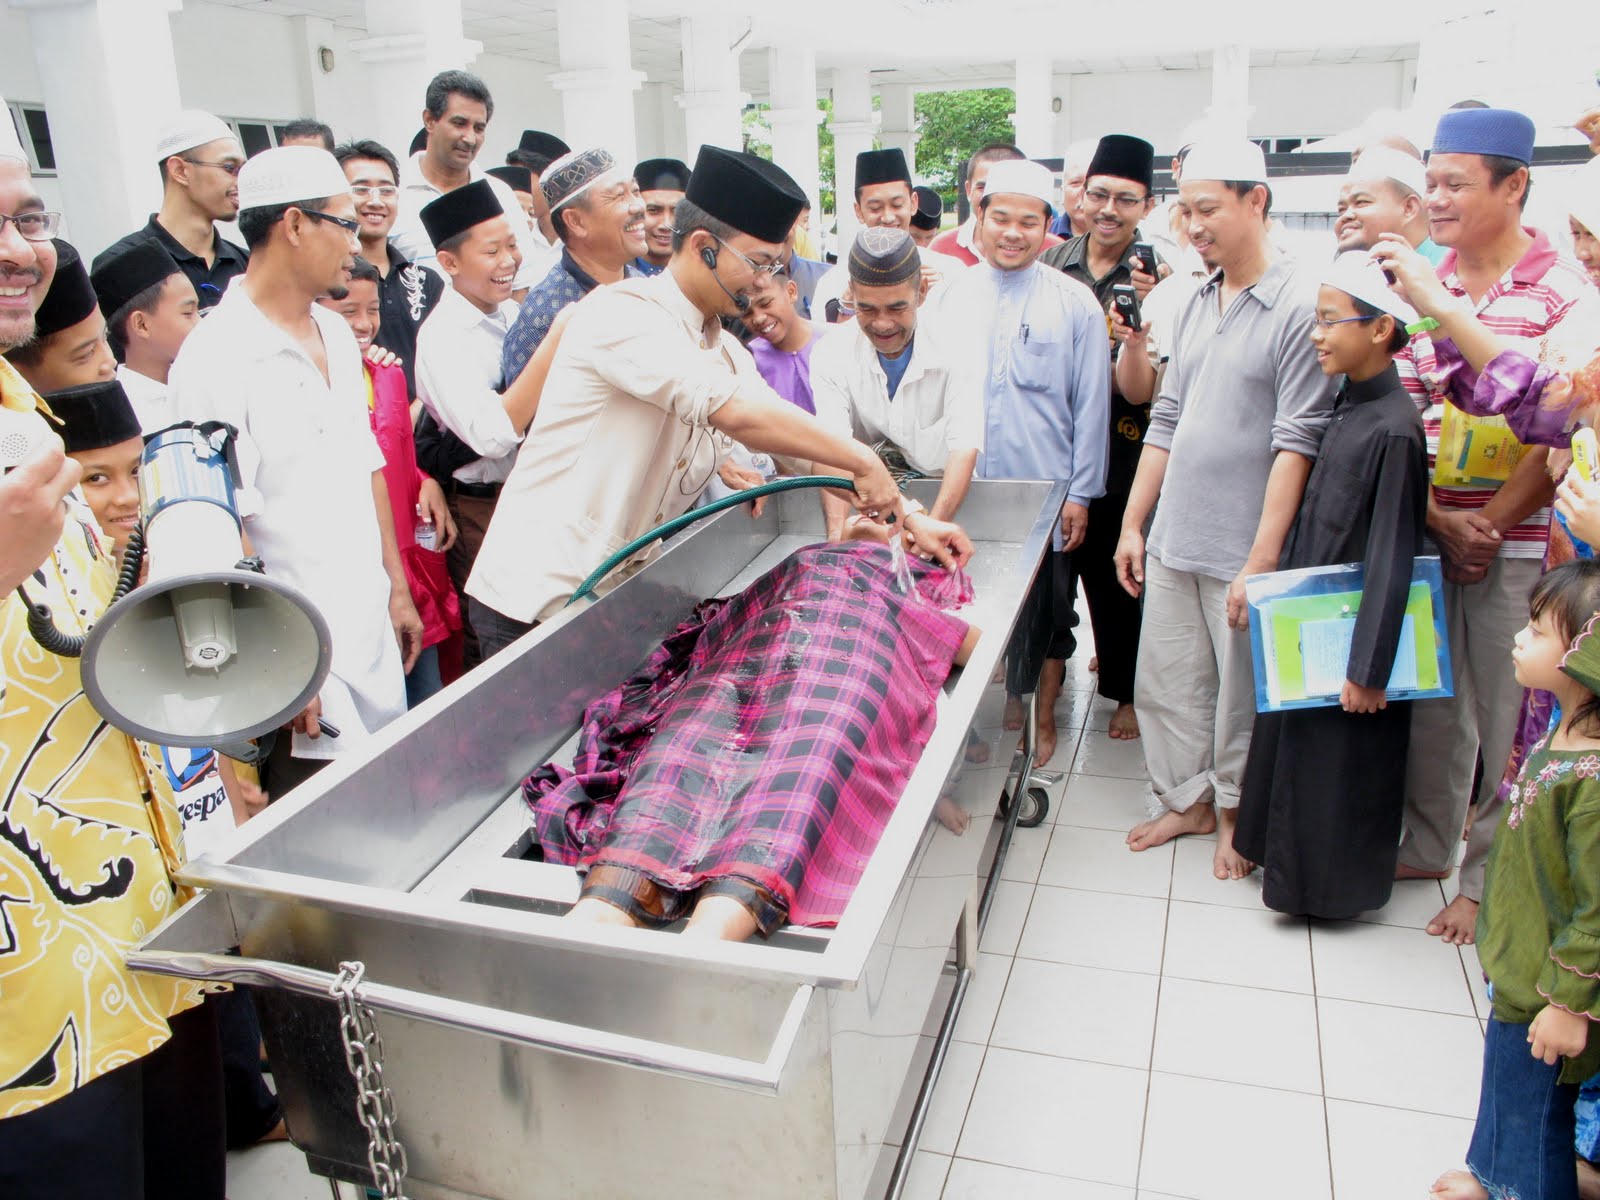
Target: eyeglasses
{"type": "Point", "coordinates": [771, 268]}
{"type": "Point", "coordinates": [383, 191]}
{"type": "Point", "coordinates": [230, 167]}
{"type": "Point", "coordinates": [33, 226]}
{"type": "Point", "coordinates": [316, 214]}
{"type": "Point", "coordinates": [1319, 323]}
{"type": "Point", "coordinates": [1123, 200]}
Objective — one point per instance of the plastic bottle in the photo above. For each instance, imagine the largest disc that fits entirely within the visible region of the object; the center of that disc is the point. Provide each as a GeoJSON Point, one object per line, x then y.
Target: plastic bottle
{"type": "Point", "coordinates": [427, 535]}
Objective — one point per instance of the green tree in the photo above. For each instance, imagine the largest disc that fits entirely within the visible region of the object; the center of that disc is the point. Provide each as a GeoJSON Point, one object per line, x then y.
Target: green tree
{"type": "Point", "coordinates": [757, 140]}
{"type": "Point", "coordinates": [952, 125]}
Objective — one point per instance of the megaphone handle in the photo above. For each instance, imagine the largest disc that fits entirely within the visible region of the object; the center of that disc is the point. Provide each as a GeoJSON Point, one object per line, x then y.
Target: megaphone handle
{"type": "Point", "coordinates": [328, 728]}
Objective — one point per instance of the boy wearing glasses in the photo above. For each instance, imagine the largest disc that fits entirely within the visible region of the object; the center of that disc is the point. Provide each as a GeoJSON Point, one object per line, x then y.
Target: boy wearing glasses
{"type": "Point", "coordinates": [199, 158]}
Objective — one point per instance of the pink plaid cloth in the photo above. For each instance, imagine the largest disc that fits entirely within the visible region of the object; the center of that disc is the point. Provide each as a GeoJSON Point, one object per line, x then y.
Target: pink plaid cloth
{"type": "Point", "coordinates": [769, 737]}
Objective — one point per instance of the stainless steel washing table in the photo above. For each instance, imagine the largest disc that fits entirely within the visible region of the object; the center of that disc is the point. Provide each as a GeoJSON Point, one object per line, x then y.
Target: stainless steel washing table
{"type": "Point", "coordinates": [533, 1056]}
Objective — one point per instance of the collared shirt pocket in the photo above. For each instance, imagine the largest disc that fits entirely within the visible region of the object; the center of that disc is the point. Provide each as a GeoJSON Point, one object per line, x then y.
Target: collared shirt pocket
{"type": "Point", "coordinates": [1036, 360]}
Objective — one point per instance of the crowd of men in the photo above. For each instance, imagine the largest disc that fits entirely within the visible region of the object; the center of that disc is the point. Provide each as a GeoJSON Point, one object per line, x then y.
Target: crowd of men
{"type": "Point", "coordinates": [456, 390]}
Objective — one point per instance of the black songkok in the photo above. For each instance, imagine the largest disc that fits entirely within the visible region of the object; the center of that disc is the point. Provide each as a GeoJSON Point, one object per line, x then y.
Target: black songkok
{"type": "Point", "coordinates": [71, 295]}
{"type": "Point", "coordinates": [518, 179]}
{"type": "Point", "coordinates": [930, 208]}
{"type": "Point", "coordinates": [662, 175]}
{"type": "Point", "coordinates": [753, 195]}
{"type": "Point", "coordinates": [94, 416]}
{"type": "Point", "coordinates": [137, 269]}
{"type": "Point", "coordinates": [883, 257]}
{"type": "Point", "coordinates": [537, 141]}
{"type": "Point", "coordinates": [1124, 157]}
{"type": "Point", "coordinates": [882, 166]}
{"type": "Point", "coordinates": [456, 212]}
{"type": "Point", "coordinates": [420, 142]}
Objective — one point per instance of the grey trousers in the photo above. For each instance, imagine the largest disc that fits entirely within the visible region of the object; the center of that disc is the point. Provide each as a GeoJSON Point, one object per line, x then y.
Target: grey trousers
{"type": "Point", "coordinates": [1193, 690]}
{"type": "Point", "coordinates": [1447, 735]}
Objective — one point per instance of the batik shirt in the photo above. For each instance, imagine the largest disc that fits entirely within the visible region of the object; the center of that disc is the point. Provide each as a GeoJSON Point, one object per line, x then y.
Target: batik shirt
{"type": "Point", "coordinates": [87, 832]}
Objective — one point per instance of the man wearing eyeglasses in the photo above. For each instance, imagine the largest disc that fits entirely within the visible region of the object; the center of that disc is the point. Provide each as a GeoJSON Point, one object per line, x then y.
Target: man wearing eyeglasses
{"type": "Point", "coordinates": [199, 158]}
{"type": "Point", "coordinates": [406, 292]}
{"type": "Point", "coordinates": [1114, 196]}
{"type": "Point", "coordinates": [286, 372]}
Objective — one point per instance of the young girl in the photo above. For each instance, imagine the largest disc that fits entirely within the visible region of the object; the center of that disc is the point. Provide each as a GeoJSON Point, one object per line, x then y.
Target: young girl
{"type": "Point", "coordinates": [1539, 927]}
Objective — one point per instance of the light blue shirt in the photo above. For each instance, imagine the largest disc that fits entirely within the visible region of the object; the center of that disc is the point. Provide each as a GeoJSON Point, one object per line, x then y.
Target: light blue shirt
{"type": "Point", "coordinates": [1047, 378]}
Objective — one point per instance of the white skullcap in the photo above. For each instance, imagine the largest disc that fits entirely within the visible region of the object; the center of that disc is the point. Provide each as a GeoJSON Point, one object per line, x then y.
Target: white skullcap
{"type": "Point", "coordinates": [288, 174]}
{"type": "Point", "coordinates": [190, 129]}
{"type": "Point", "coordinates": [1021, 177]}
{"type": "Point", "coordinates": [1233, 160]}
{"type": "Point", "coordinates": [10, 142]}
{"type": "Point", "coordinates": [1583, 196]}
{"type": "Point", "coordinates": [1382, 162]}
{"type": "Point", "coordinates": [1355, 274]}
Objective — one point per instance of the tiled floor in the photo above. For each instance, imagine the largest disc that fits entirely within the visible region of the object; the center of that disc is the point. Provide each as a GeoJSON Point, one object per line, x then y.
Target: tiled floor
{"type": "Point", "coordinates": [1137, 1029]}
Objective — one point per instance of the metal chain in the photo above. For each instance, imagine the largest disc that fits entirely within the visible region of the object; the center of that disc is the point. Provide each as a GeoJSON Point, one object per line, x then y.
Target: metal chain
{"type": "Point", "coordinates": [363, 1054]}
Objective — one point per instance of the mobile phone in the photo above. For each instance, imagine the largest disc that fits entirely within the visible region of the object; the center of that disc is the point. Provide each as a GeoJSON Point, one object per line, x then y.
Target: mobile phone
{"type": "Point", "coordinates": [1586, 454]}
{"type": "Point", "coordinates": [1144, 254]}
{"type": "Point", "coordinates": [1126, 301]}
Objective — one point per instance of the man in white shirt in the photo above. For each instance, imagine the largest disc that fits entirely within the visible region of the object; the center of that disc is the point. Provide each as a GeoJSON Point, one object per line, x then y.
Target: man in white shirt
{"type": "Point", "coordinates": [150, 308]}
{"type": "Point", "coordinates": [287, 374]}
{"type": "Point", "coordinates": [459, 377]}
{"type": "Point", "coordinates": [877, 381]}
{"type": "Point", "coordinates": [643, 381]}
{"type": "Point", "coordinates": [455, 119]}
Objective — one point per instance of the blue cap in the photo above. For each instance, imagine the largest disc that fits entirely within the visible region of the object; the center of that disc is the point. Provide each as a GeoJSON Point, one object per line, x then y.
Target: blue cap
{"type": "Point", "coordinates": [1495, 131]}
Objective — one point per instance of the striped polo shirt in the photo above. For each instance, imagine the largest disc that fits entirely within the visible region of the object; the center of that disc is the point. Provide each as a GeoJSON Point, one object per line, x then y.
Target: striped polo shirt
{"type": "Point", "coordinates": [1545, 299]}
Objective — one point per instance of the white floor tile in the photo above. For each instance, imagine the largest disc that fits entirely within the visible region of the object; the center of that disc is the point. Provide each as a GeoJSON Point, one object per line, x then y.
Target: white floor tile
{"type": "Point", "coordinates": [1095, 929]}
{"type": "Point", "coordinates": [1077, 699]}
{"type": "Point", "coordinates": [1476, 983]}
{"type": "Point", "coordinates": [1098, 755]}
{"type": "Point", "coordinates": [1413, 904]}
{"type": "Point", "coordinates": [1383, 964]}
{"type": "Point", "coordinates": [1098, 860]}
{"type": "Point", "coordinates": [1068, 737]}
{"type": "Point", "coordinates": [1238, 1034]}
{"type": "Point", "coordinates": [983, 997]}
{"type": "Point", "coordinates": [951, 1097]}
{"type": "Point", "coordinates": [1057, 1116]}
{"type": "Point", "coordinates": [1391, 1154]}
{"type": "Point", "coordinates": [1192, 879]}
{"type": "Point", "coordinates": [1401, 1057]}
{"type": "Point", "coordinates": [273, 1171]}
{"type": "Point", "coordinates": [1078, 1012]}
{"type": "Point", "coordinates": [1223, 1141]}
{"type": "Point", "coordinates": [1006, 917]}
{"type": "Point", "coordinates": [1231, 945]}
{"type": "Point", "coordinates": [1027, 853]}
{"type": "Point", "coordinates": [925, 1180]}
{"type": "Point", "coordinates": [971, 1180]}
{"type": "Point", "coordinates": [1103, 802]}
{"type": "Point", "coordinates": [1100, 714]}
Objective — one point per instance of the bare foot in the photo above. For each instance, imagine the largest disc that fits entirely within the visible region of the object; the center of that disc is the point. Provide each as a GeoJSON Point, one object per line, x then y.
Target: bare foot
{"type": "Point", "coordinates": [1228, 863]}
{"type": "Point", "coordinates": [977, 750]}
{"type": "Point", "coordinates": [1404, 872]}
{"type": "Point", "coordinates": [278, 1133]}
{"type": "Point", "coordinates": [1158, 831]}
{"type": "Point", "coordinates": [951, 815]}
{"type": "Point", "coordinates": [1458, 1185]}
{"type": "Point", "coordinates": [1588, 1181]}
{"type": "Point", "coordinates": [1094, 665]}
{"type": "Point", "coordinates": [1044, 738]}
{"type": "Point", "coordinates": [1124, 724]}
{"type": "Point", "coordinates": [1015, 713]}
{"type": "Point", "coordinates": [1457, 922]}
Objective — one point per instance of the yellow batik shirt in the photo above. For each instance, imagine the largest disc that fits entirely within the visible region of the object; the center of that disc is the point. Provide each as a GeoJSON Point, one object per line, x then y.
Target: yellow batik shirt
{"type": "Point", "coordinates": [87, 828]}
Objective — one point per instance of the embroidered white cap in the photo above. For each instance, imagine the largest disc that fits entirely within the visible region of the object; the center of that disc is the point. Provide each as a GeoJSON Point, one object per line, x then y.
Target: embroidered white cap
{"type": "Point", "coordinates": [1022, 177]}
{"type": "Point", "coordinates": [1232, 159]}
{"type": "Point", "coordinates": [1355, 274]}
{"type": "Point", "coordinates": [189, 129]}
{"type": "Point", "coordinates": [290, 173]}
{"type": "Point", "coordinates": [1384, 162]}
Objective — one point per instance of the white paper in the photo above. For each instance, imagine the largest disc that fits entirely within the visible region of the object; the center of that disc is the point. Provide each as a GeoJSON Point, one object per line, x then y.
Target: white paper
{"type": "Point", "coordinates": [1325, 650]}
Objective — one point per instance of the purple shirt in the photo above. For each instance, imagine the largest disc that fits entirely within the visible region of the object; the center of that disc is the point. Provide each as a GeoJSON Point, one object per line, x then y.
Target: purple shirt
{"type": "Point", "coordinates": [788, 374]}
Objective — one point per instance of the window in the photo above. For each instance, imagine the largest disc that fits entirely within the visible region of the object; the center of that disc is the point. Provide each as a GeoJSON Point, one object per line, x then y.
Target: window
{"type": "Point", "coordinates": [256, 135]}
{"type": "Point", "coordinates": [33, 130]}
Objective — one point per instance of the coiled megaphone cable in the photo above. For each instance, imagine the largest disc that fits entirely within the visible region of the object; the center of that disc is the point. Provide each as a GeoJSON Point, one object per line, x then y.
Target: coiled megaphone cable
{"type": "Point", "coordinates": [42, 625]}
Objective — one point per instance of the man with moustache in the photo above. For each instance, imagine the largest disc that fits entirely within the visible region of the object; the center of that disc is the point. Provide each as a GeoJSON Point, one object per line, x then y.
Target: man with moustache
{"type": "Point", "coordinates": [662, 183]}
{"type": "Point", "coordinates": [199, 158]}
{"type": "Point", "coordinates": [1382, 193]}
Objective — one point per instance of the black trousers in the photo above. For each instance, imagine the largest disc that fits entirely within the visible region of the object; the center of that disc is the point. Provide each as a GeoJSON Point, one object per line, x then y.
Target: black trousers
{"type": "Point", "coordinates": [150, 1130]}
{"type": "Point", "coordinates": [495, 630]}
{"type": "Point", "coordinates": [1044, 628]}
{"type": "Point", "coordinates": [1113, 614]}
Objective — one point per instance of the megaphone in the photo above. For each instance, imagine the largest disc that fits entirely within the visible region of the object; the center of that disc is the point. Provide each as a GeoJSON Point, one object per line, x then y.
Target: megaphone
{"type": "Point", "coordinates": [208, 651]}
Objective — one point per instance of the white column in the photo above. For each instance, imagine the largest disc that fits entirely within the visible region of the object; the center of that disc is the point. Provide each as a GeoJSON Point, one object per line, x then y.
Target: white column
{"type": "Point", "coordinates": [1229, 114]}
{"type": "Point", "coordinates": [794, 117]}
{"type": "Point", "coordinates": [318, 96]}
{"type": "Point", "coordinates": [1033, 120]}
{"type": "Point", "coordinates": [597, 79]}
{"type": "Point", "coordinates": [410, 42]}
{"type": "Point", "coordinates": [109, 80]}
{"type": "Point", "coordinates": [897, 111]}
{"type": "Point", "coordinates": [852, 133]}
{"type": "Point", "coordinates": [713, 105]}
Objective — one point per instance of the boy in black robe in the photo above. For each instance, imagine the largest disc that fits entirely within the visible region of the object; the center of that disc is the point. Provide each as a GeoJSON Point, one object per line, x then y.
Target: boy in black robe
{"type": "Point", "coordinates": [1323, 788]}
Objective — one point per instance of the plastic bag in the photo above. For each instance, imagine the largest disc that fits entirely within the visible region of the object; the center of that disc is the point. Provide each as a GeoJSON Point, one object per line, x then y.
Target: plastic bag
{"type": "Point", "coordinates": [1475, 451]}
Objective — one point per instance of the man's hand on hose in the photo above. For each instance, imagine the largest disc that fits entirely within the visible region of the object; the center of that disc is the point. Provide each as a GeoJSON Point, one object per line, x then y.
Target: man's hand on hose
{"type": "Point", "coordinates": [944, 541]}
{"type": "Point", "coordinates": [876, 492]}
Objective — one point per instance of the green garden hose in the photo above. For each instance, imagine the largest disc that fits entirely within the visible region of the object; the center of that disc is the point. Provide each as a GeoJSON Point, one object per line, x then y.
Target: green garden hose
{"type": "Point", "coordinates": [668, 528]}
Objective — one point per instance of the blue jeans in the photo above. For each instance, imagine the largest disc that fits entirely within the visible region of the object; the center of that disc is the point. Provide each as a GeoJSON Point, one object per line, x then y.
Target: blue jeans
{"type": "Point", "coordinates": [423, 680]}
{"type": "Point", "coordinates": [1522, 1142]}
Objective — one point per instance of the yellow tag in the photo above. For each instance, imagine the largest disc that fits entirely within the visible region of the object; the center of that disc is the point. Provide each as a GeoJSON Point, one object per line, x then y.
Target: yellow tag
{"type": "Point", "coordinates": [1475, 451]}
{"type": "Point", "coordinates": [1585, 454]}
